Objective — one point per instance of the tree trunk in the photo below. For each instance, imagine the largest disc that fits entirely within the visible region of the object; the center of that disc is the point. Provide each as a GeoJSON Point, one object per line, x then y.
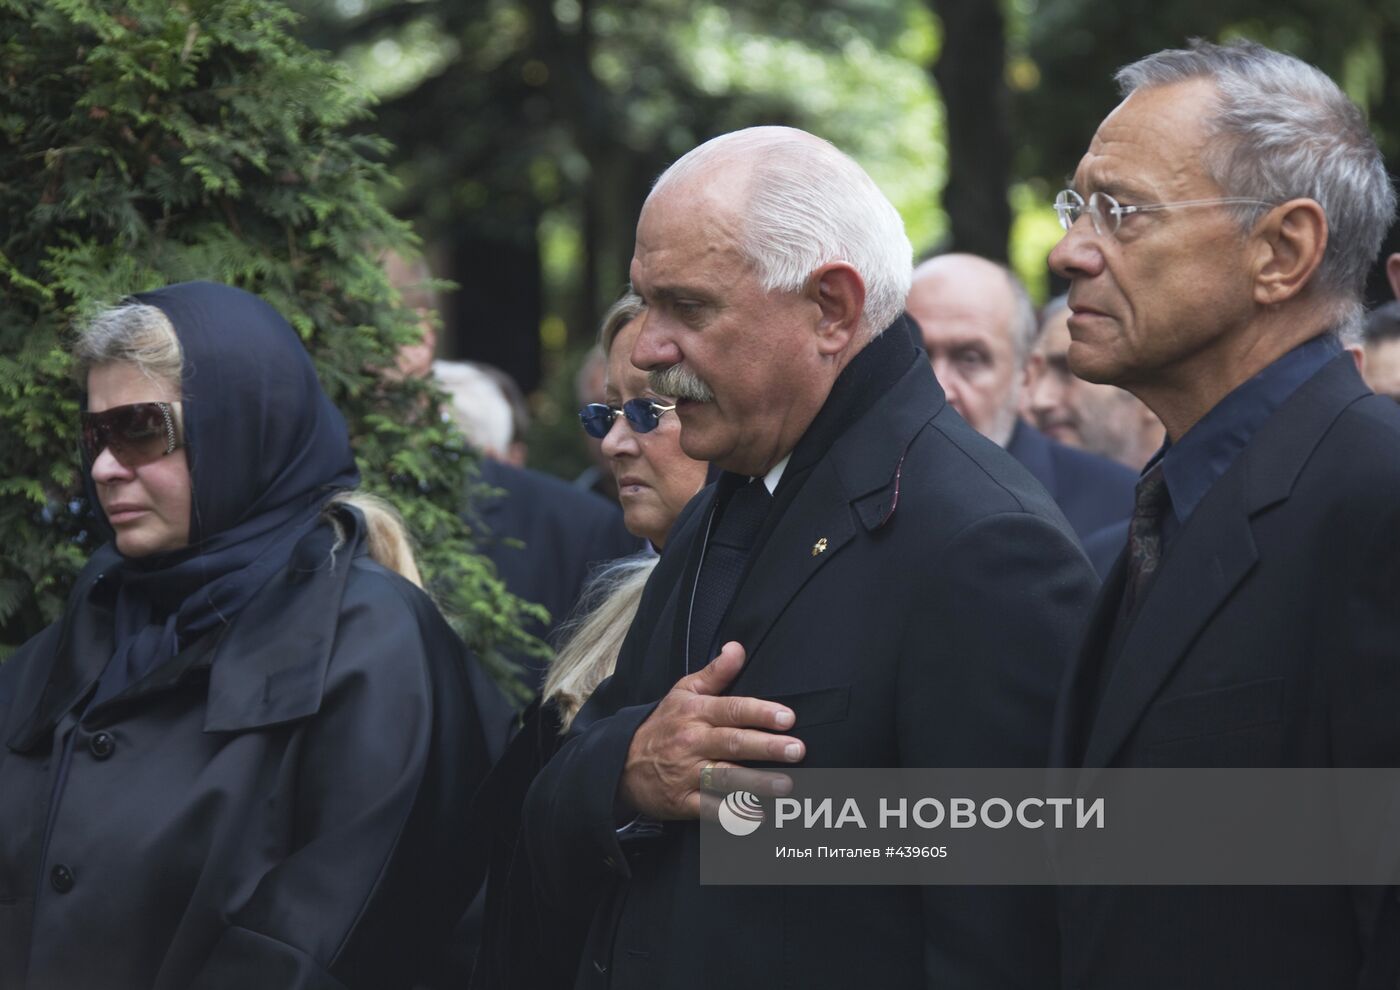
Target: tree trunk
{"type": "Point", "coordinates": [970, 74]}
{"type": "Point", "coordinates": [495, 316]}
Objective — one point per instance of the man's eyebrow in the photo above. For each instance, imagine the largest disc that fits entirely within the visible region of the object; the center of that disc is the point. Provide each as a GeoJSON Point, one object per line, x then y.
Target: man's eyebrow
{"type": "Point", "coordinates": [1118, 189]}
{"type": "Point", "coordinates": [671, 292]}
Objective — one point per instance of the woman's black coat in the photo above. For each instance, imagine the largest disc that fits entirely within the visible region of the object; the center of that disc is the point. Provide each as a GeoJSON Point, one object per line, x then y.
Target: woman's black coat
{"type": "Point", "coordinates": [282, 804]}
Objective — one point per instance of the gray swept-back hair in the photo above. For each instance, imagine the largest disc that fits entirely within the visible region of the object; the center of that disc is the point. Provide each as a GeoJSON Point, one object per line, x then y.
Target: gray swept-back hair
{"type": "Point", "coordinates": [808, 204]}
{"type": "Point", "coordinates": [1282, 130]}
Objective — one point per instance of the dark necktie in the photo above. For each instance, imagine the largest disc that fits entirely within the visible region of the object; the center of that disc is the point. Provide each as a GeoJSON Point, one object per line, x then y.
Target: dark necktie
{"type": "Point", "coordinates": [725, 556]}
{"type": "Point", "coordinates": [1145, 533]}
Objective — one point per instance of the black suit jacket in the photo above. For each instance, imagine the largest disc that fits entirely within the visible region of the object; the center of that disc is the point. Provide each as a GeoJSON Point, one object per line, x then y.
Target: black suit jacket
{"type": "Point", "coordinates": [1270, 637]}
{"type": "Point", "coordinates": [546, 538]}
{"type": "Point", "coordinates": [1104, 547]}
{"type": "Point", "coordinates": [1092, 491]}
{"type": "Point", "coordinates": [929, 633]}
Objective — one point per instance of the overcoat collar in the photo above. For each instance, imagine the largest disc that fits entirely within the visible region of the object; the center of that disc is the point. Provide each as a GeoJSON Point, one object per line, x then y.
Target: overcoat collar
{"type": "Point", "coordinates": [1211, 555]}
{"type": "Point", "coordinates": [845, 473]}
{"type": "Point", "coordinates": [267, 668]}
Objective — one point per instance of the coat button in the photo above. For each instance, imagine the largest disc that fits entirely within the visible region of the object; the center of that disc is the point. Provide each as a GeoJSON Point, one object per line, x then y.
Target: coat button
{"type": "Point", "coordinates": [61, 878]}
{"type": "Point", "coordinates": [102, 745]}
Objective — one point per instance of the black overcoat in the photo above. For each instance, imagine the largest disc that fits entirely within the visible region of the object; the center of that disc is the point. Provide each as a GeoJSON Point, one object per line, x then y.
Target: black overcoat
{"type": "Point", "coordinates": [283, 804]}
{"type": "Point", "coordinates": [930, 629]}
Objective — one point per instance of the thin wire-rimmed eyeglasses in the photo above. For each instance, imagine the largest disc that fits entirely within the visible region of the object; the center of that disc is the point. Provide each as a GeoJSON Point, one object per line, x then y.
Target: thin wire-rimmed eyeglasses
{"type": "Point", "coordinates": [1106, 213]}
{"type": "Point", "coordinates": [642, 415]}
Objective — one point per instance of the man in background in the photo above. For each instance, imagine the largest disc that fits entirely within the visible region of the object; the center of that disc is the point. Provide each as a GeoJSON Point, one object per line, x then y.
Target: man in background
{"type": "Point", "coordinates": [1380, 350]}
{"type": "Point", "coordinates": [1102, 419]}
{"type": "Point", "coordinates": [978, 327]}
{"type": "Point", "coordinates": [544, 536]}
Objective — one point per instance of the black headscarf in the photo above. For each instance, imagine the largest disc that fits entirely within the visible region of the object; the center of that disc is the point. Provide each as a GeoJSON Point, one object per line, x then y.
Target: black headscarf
{"type": "Point", "coordinates": [266, 449]}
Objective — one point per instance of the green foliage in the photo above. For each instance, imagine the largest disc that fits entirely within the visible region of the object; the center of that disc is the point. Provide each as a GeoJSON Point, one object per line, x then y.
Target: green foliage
{"type": "Point", "coordinates": [563, 113]}
{"type": "Point", "coordinates": [147, 142]}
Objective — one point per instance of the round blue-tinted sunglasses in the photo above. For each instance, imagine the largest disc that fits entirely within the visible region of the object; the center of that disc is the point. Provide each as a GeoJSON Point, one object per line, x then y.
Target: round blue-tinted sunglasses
{"type": "Point", "coordinates": [642, 415]}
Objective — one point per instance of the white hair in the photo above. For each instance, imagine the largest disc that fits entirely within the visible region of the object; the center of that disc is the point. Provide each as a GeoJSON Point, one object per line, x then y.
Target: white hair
{"type": "Point", "coordinates": [479, 407]}
{"type": "Point", "coordinates": [1283, 130]}
{"type": "Point", "coordinates": [808, 204]}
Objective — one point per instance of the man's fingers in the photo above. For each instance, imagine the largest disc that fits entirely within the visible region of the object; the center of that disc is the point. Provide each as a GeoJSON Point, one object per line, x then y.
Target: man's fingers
{"type": "Point", "coordinates": [751, 713]}
{"type": "Point", "coordinates": [723, 778]}
{"type": "Point", "coordinates": [719, 673]}
{"type": "Point", "coordinates": [714, 679]}
{"type": "Point", "coordinates": [719, 780]}
{"type": "Point", "coordinates": [737, 745]}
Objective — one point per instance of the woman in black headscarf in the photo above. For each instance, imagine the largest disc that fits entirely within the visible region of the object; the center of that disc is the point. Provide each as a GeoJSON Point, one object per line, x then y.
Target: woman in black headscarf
{"type": "Point", "coordinates": [243, 756]}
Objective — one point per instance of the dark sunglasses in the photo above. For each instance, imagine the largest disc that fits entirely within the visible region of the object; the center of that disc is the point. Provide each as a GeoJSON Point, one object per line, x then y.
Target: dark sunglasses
{"type": "Point", "coordinates": [136, 434]}
{"type": "Point", "coordinates": [642, 415]}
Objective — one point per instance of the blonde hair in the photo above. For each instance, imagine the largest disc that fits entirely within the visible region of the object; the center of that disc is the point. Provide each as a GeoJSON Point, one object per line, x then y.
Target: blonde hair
{"type": "Point", "coordinates": [594, 635]}
{"type": "Point", "coordinates": [628, 307]}
{"type": "Point", "coordinates": [390, 544]}
{"type": "Point", "coordinates": [132, 333]}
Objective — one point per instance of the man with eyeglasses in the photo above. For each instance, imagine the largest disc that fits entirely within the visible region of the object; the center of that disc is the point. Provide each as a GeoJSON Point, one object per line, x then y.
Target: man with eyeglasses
{"type": "Point", "coordinates": [868, 584]}
{"type": "Point", "coordinates": [1218, 234]}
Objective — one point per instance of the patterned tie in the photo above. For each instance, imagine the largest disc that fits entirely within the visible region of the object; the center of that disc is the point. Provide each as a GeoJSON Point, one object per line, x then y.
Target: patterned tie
{"type": "Point", "coordinates": [1145, 532]}
{"type": "Point", "coordinates": [725, 556]}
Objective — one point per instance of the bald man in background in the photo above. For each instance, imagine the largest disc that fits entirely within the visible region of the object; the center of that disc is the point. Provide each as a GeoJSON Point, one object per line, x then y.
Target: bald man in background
{"type": "Point", "coordinates": [1379, 362]}
{"type": "Point", "coordinates": [979, 327]}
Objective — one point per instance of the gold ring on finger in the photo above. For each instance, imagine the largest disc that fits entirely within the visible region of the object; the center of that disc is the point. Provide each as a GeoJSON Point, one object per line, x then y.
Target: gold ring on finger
{"type": "Point", "coordinates": [707, 777]}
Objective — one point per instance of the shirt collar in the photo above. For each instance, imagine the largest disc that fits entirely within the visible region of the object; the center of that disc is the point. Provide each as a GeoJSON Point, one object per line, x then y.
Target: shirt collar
{"type": "Point", "coordinates": [1195, 462]}
{"type": "Point", "coordinates": [771, 479]}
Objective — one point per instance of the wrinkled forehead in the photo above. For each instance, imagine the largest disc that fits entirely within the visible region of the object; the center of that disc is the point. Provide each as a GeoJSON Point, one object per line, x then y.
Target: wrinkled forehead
{"type": "Point", "coordinates": [1154, 139]}
{"type": "Point", "coordinates": [686, 234]}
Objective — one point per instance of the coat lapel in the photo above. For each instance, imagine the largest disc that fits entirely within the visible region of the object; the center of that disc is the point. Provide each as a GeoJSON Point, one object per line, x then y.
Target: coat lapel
{"type": "Point", "coordinates": [1212, 554]}
{"type": "Point", "coordinates": [811, 532]}
{"type": "Point", "coordinates": [854, 487]}
{"type": "Point", "coordinates": [1077, 689]}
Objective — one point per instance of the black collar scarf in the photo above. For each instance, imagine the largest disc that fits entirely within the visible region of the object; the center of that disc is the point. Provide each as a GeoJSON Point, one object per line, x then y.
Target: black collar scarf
{"type": "Point", "coordinates": [266, 449]}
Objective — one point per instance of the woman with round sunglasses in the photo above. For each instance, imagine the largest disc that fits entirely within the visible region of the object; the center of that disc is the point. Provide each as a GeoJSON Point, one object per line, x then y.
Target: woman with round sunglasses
{"type": "Point", "coordinates": [527, 943]}
{"type": "Point", "coordinates": [244, 754]}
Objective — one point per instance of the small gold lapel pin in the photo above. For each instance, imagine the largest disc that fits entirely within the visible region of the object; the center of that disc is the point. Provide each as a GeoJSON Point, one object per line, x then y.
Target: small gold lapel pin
{"type": "Point", "coordinates": [819, 546]}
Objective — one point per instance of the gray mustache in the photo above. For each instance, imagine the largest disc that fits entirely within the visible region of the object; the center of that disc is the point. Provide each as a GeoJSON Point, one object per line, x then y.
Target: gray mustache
{"type": "Point", "coordinates": [680, 382]}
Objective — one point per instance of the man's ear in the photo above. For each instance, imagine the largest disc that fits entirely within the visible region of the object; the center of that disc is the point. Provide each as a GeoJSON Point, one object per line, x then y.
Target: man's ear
{"type": "Point", "coordinates": [839, 291]}
{"type": "Point", "coordinates": [1289, 242]}
{"type": "Point", "coordinates": [1392, 273]}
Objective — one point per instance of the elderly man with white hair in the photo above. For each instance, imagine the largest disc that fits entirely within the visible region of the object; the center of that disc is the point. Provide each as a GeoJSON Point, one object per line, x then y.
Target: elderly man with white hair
{"type": "Point", "coordinates": [870, 583]}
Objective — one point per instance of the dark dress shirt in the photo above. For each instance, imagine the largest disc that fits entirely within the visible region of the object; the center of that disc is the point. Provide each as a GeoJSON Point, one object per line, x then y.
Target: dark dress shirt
{"type": "Point", "coordinates": [1198, 459]}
